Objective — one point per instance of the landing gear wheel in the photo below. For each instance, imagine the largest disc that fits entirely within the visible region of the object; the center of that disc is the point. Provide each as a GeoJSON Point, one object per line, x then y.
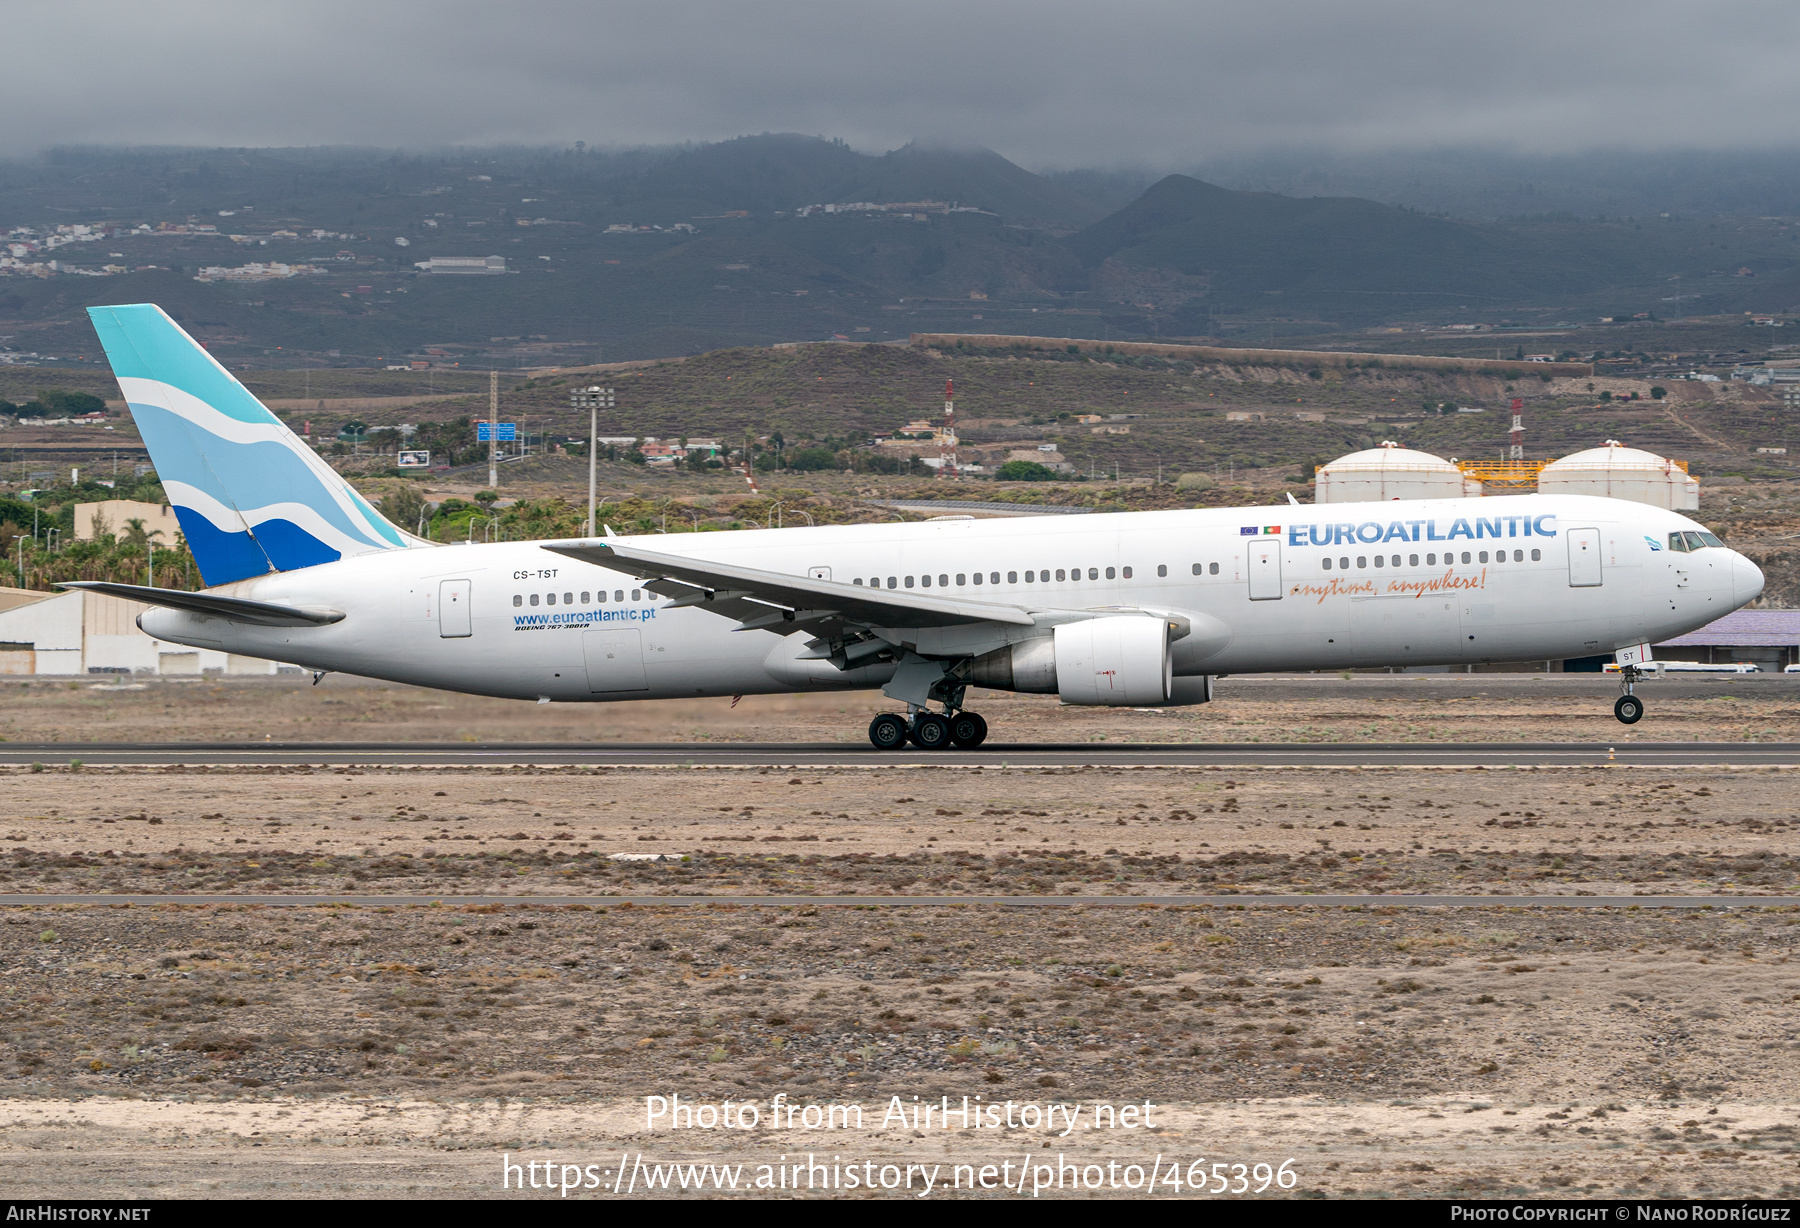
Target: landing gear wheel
{"type": "Point", "coordinates": [930, 731]}
{"type": "Point", "coordinates": [968, 730]}
{"type": "Point", "coordinates": [1629, 709]}
{"type": "Point", "coordinates": [887, 732]}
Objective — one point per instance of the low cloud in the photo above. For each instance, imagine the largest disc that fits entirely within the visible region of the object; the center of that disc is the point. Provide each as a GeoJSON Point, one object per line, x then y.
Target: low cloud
{"type": "Point", "coordinates": [1047, 83]}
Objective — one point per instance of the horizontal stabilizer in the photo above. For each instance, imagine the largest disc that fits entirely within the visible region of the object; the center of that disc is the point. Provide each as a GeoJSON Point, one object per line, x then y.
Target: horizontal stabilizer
{"type": "Point", "coordinates": [238, 610]}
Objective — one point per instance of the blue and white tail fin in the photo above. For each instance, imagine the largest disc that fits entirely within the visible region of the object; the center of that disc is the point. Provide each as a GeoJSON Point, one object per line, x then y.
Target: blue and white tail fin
{"type": "Point", "coordinates": [251, 496]}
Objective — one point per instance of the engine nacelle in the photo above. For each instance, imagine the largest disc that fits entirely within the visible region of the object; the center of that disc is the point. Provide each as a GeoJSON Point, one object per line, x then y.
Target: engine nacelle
{"type": "Point", "coordinates": [1119, 662]}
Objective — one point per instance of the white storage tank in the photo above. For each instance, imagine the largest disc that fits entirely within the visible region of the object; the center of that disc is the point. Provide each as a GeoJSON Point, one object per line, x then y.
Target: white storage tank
{"type": "Point", "coordinates": [1618, 472]}
{"type": "Point", "coordinates": [1390, 472]}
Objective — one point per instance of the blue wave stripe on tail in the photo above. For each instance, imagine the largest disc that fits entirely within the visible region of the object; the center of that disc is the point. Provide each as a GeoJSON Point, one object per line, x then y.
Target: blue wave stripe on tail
{"type": "Point", "coordinates": [251, 496]}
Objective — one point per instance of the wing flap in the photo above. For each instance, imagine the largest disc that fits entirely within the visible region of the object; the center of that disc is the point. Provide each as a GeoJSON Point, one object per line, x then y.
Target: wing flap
{"type": "Point", "coordinates": [817, 598]}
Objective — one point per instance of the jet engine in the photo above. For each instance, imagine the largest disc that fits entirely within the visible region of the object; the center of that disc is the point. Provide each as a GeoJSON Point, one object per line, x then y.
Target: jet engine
{"type": "Point", "coordinates": [1120, 662]}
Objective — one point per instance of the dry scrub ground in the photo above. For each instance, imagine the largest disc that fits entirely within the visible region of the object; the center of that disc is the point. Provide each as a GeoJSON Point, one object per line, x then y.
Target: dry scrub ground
{"type": "Point", "coordinates": [1303, 708]}
{"type": "Point", "coordinates": [248, 1051]}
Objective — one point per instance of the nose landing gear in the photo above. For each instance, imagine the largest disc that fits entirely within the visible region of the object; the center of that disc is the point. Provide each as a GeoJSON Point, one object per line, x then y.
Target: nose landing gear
{"type": "Point", "coordinates": [1629, 709]}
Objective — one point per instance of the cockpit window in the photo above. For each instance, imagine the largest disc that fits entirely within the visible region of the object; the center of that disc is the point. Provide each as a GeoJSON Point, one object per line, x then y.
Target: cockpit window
{"type": "Point", "coordinates": [1695, 541]}
{"type": "Point", "coordinates": [1677, 543]}
{"type": "Point", "coordinates": [1709, 539]}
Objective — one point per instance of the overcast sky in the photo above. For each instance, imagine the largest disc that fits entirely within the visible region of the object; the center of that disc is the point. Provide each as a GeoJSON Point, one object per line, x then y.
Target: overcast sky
{"type": "Point", "coordinates": [1048, 83]}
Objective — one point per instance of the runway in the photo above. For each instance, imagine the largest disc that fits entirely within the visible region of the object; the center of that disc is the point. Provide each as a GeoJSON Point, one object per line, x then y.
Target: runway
{"type": "Point", "coordinates": [910, 901]}
{"type": "Point", "coordinates": [801, 755]}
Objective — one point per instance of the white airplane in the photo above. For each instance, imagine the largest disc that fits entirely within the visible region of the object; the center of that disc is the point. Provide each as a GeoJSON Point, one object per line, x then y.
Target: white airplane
{"type": "Point", "coordinates": [1138, 609]}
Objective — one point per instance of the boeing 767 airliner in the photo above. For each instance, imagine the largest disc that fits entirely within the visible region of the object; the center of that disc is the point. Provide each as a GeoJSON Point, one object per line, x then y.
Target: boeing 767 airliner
{"type": "Point", "coordinates": [1139, 609]}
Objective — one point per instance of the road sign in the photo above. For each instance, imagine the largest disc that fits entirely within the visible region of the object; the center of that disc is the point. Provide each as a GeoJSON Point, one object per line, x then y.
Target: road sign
{"type": "Point", "coordinates": [414, 460]}
{"type": "Point", "coordinates": [503, 431]}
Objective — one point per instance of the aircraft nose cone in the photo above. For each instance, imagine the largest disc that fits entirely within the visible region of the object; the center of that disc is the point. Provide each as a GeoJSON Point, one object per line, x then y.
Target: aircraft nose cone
{"type": "Point", "coordinates": [1746, 579]}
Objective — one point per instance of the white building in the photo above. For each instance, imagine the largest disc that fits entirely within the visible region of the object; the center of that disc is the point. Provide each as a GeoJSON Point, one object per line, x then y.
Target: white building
{"type": "Point", "coordinates": [78, 633]}
{"type": "Point", "coordinates": [1390, 472]}
{"type": "Point", "coordinates": [463, 264]}
{"type": "Point", "coordinates": [1618, 472]}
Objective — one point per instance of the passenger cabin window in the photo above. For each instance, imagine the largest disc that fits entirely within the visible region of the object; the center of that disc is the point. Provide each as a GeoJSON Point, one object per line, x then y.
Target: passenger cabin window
{"type": "Point", "coordinates": [978, 577]}
{"type": "Point", "coordinates": [1029, 576]}
{"type": "Point", "coordinates": [1162, 569]}
{"type": "Point", "coordinates": [1466, 556]}
{"type": "Point", "coordinates": [1060, 575]}
{"type": "Point", "coordinates": [550, 599]}
{"type": "Point", "coordinates": [909, 580]}
{"type": "Point", "coordinates": [618, 594]}
{"type": "Point", "coordinates": [961, 579]}
{"type": "Point", "coordinates": [1326, 563]}
{"type": "Point", "coordinates": [534, 599]}
{"type": "Point", "coordinates": [1214, 569]}
{"type": "Point", "coordinates": [518, 599]}
{"type": "Point", "coordinates": [1536, 555]}
{"type": "Point", "coordinates": [587, 599]}
{"type": "Point", "coordinates": [1127, 573]}
{"type": "Point", "coordinates": [1109, 573]}
{"type": "Point", "coordinates": [637, 594]}
{"type": "Point", "coordinates": [568, 598]}
{"type": "Point", "coordinates": [1199, 569]}
{"type": "Point", "coordinates": [1012, 577]}
{"type": "Point", "coordinates": [994, 577]}
{"type": "Point", "coordinates": [943, 581]}
{"type": "Point", "coordinates": [1093, 573]}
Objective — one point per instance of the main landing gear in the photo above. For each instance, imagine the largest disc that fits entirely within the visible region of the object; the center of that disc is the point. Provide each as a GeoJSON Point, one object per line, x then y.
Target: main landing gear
{"type": "Point", "coordinates": [928, 731]}
{"type": "Point", "coordinates": [1629, 709]}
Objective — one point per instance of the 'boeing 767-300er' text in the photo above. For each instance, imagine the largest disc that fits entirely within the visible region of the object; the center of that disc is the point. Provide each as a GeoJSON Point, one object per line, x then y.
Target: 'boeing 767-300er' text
{"type": "Point", "coordinates": [1138, 609]}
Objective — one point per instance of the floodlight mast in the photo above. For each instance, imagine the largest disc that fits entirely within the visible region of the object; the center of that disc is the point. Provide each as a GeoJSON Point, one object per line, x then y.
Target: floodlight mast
{"type": "Point", "coordinates": [493, 430]}
{"type": "Point", "coordinates": [593, 400]}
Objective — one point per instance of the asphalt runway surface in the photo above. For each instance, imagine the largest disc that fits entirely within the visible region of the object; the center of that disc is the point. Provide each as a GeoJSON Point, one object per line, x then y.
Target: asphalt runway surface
{"type": "Point", "coordinates": [847, 754]}
{"type": "Point", "coordinates": [920, 901]}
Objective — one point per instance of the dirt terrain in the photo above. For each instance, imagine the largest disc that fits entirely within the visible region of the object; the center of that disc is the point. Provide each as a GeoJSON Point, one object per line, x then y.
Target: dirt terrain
{"type": "Point", "coordinates": [255, 1051]}
{"type": "Point", "coordinates": [248, 1051]}
{"type": "Point", "coordinates": [1491, 707]}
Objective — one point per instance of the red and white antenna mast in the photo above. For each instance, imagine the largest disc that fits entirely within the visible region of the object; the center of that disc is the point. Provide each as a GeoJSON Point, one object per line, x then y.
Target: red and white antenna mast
{"type": "Point", "coordinates": [947, 448]}
{"type": "Point", "coordinates": [1518, 431]}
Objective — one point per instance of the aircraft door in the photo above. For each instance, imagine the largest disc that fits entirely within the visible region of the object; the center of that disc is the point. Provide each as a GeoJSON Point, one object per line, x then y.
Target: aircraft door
{"type": "Point", "coordinates": [1584, 558]}
{"type": "Point", "coordinates": [1265, 569]}
{"type": "Point", "coordinates": [614, 658]}
{"type": "Point", "coordinates": [453, 609]}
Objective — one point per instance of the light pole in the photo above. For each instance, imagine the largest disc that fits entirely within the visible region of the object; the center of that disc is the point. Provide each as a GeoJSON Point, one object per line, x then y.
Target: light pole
{"type": "Point", "coordinates": [593, 400]}
{"type": "Point", "coordinates": [20, 539]}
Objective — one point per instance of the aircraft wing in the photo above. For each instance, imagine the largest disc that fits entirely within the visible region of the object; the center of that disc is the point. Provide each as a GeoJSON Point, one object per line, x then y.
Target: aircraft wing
{"type": "Point", "coordinates": [761, 598]}
{"type": "Point", "coordinates": [237, 609]}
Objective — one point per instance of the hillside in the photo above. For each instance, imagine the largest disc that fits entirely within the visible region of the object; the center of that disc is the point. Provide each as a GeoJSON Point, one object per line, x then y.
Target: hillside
{"type": "Point", "coordinates": [657, 253]}
{"type": "Point", "coordinates": [1320, 252]}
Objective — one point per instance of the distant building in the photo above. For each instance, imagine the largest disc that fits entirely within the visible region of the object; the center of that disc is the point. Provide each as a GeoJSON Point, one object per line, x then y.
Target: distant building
{"type": "Point", "coordinates": [1767, 638]}
{"type": "Point", "coordinates": [79, 632]}
{"type": "Point", "coordinates": [110, 516]}
{"type": "Point", "coordinates": [463, 264]}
